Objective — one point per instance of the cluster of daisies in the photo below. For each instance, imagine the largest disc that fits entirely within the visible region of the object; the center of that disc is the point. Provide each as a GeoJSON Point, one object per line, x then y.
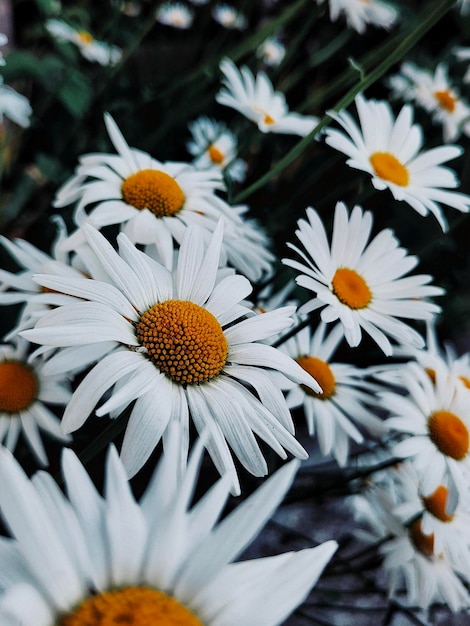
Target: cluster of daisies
{"type": "Point", "coordinates": [145, 312]}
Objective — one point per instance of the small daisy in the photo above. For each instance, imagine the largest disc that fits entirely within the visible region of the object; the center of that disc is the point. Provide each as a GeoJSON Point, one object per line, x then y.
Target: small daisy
{"type": "Point", "coordinates": [360, 13]}
{"type": "Point", "coordinates": [229, 17]}
{"type": "Point", "coordinates": [213, 145]}
{"type": "Point", "coordinates": [91, 559]}
{"type": "Point", "coordinates": [91, 49]}
{"type": "Point", "coordinates": [183, 338]}
{"type": "Point", "coordinates": [14, 106]}
{"type": "Point", "coordinates": [256, 99]}
{"type": "Point", "coordinates": [434, 422]}
{"type": "Point", "coordinates": [175, 14]}
{"type": "Point", "coordinates": [388, 150]}
{"type": "Point", "coordinates": [25, 393]}
{"type": "Point", "coordinates": [362, 284]}
{"type": "Point", "coordinates": [271, 51]}
{"type": "Point", "coordinates": [345, 394]}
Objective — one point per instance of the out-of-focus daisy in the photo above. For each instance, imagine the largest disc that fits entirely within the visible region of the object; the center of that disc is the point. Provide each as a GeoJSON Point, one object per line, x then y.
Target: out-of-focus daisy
{"type": "Point", "coordinates": [14, 106]}
{"type": "Point", "coordinates": [434, 423]}
{"type": "Point", "coordinates": [3, 42]}
{"type": "Point", "coordinates": [25, 393]}
{"type": "Point", "coordinates": [183, 346]}
{"type": "Point", "coordinates": [271, 51]}
{"type": "Point", "coordinates": [90, 48]}
{"type": "Point", "coordinates": [434, 92]}
{"type": "Point", "coordinates": [229, 17]}
{"type": "Point", "coordinates": [360, 13]}
{"type": "Point", "coordinates": [463, 54]}
{"type": "Point", "coordinates": [256, 99]}
{"type": "Point", "coordinates": [389, 150]}
{"type": "Point", "coordinates": [157, 561]}
{"type": "Point", "coordinates": [175, 14]}
{"type": "Point", "coordinates": [346, 395]}
{"type": "Point", "coordinates": [364, 285]}
{"type": "Point", "coordinates": [213, 145]}
{"type": "Point", "coordinates": [154, 202]}
{"type": "Point", "coordinates": [464, 6]}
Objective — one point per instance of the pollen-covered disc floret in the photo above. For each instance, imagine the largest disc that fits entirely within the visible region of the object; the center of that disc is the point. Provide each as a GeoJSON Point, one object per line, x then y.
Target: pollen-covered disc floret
{"type": "Point", "coordinates": [134, 606]}
{"type": "Point", "coordinates": [350, 288]}
{"type": "Point", "coordinates": [184, 340]}
{"type": "Point", "coordinates": [322, 373]}
{"type": "Point", "coordinates": [153, 190]}
{"type": "Point", "coordinates": [18, 386]}
{"type": "Point", "coordinates": [436, 504]}
{"type": "Point", "coordinates": [449, 434]}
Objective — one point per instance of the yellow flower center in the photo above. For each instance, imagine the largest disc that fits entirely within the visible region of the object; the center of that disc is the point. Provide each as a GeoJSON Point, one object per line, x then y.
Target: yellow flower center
{"type": "Point", "coordinates": [449, 434]}
{"type": "Point", "coordinates": [267, 119]}
{"type": "Point", "coordinates": [18, 386]}
{"type": "Point", "coordinates": [153, 190]}
{"type": "Point", "coordinates": [350, 288]}
{"type": "Point", "coordinates": [215, 155]}
{"type": "Point", "coordinates": [389, 168]}
{"type": "Point", "coordinates": [446, 100]}
{"type": "Point", "coordinates": [423, 543]}
{"type": "Point", "coordinates": [84, 37]}
{"type": "Point", "coordinates": [436, 504]}
{"type": "Point", "coordinates": [465, 381]}
{"type": "Point", "coordinates": [321, 372]}
{"type": "Point", "coordinates": [431, 373]}
{"type": "Point", "coordinates": [131, 606]}
{"type": "Point", "coordinates": [184, 340]}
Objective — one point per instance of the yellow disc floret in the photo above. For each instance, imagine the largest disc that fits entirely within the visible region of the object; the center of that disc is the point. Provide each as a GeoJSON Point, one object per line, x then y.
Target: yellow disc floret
{"type": "Point", "coordinates": [446, 100]}
{"type": "Point", "coordinates": [321, 372]}
{"type": "Point", "coordinates": [449, 434]}
{"type": "Point", "coordinates": [184, 340]}
{"type": "Point", "coordinates": [153, 190]}
{"type": "Point", "coordinates": [436, 504]}
{"type": "Point", "coordinates": [130, 606]}
{"type": "Point", "coordinates": [84, 37]}
{"type": "Point", "coordinates": [215, 155]}
{"type": "Point", "coordinates": [350, 288]}
{"type": "Point", "coordinates": [389, 168]}
{"type": "Point", "coordinates": [423, 543]}
{"type": "Point", "coordinates": [18, 386]}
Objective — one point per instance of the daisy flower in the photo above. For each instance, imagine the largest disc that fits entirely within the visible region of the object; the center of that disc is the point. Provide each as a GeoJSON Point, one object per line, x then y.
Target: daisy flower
{"type": "Point", "coordinates": [389, 150]}
{"type": "Point", "coordinates": [25, 393]}
{"type": "Point", "coordinates": [213, 145]}
{"type": "Point", "coordinates": [229, 17]}
{"type": "Point", "coordinates": [434, 422]}
{"type": "Point", "coordinates": [175, 14]}
{"type": "Point", "coordinates": [14, 106]}
{"type": "Point", "coordinates": [88, 559]}
{"type": "Point", "coordinates": [154, 202]}
{"type": "Point", "coordinates": [180, 337]}
{"type": "Point", "coordinates": [256, 99]}
{"type": "Point", "coordinates": [360, 13]}
{"type": "Point", "coordinates": [271, 51]}
{"type": "Point", "coordinates": [363, 285]}
{"type": "Point", "coordinates": [345, 394]}
{"type": "Point", "coordinates": [91, 49]}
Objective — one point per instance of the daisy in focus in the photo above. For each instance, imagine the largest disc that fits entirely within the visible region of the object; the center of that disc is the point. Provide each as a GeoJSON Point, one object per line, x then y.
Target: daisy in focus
{"type": "Point", "coordinates": [182, 338]}
{"type": "Point", "coordinates": [156, 561]}
{"type": "Point", "coordinates": [91, 49]}
{"type": "Point", "coordinates": [360, 13]}
{"type": "Point", "coordinates": [363, 285]}
{"type": "Point", "coordinates": [271, 51]}
{"type": "Point", "coordinates": [229, 17]}
{"type": "Point", "coordinates": [389, 150]}
{"type": "Point", "coordinates": [346, 396]}
{"type": "Point", "coordinates": [175, 14]}
{"type": "Point", "coordinates": [25, 393]}
{"type": "Point", "coordinates": [256, 99]}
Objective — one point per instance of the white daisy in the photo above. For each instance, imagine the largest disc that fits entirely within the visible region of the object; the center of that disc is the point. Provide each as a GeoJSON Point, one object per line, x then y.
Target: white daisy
{"type": "Point", "coordinates": [175, 14]}
{"type": "Point", "coordinates": [14, 106]}
{"type": "Point", "coordinates": [271, 51]}
{"type": "Point", "coordinates": [362, 284]}
{"type": "Point", "coordinates": [154, 202]}
{"type": "Point", "coordinates": [434, 423]}
{"type": "Point", "coordinates": [25, 393]}
{"type": "Point", "coordinates": [229, 17]}
{"type": "Point", "coordinates": [360, 13]}
{"type": "Point", "coordinates": [389, 150]}
{"type": "Point", "coordinates": [181, 338]}
{"type": "Point", "coordinates": [214, 146]}
{"type": "Point", "coordinates": [91, 49]}
{"type": "Point", "coordinates": [89, 559]}
{"type": "Point", "coordinates": [346, 397]}
{"type": "Point", "coordinates": [256, 99]}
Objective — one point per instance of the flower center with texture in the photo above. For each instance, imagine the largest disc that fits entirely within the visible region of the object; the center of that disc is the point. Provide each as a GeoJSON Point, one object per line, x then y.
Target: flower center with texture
{"type": "Point", "coordinates": [350, 288]}
{"type": "Point", "coordinates": [153, 190]}
{"type": "Point", "coordinates": [436, 504]}
{"type": "Point", "coordinates": [184, 340]}
{"type": "Point", "coordinates": [215, 155]}
{"type": "Point", "coordinates": [85, 38]}
{"type": "Point", "coordinates": [423, 543]}
{"type": "Point", "coordinates": [388, 167]}
{"type": "Point", "coordinates": [18, 386]}
{"type": "Point", "coordinates": [130, 606]}
{"type": "Point", "coordinates": [449, 434]}
{"type": "Point", "coordinates": [321, 372]}
{"type": "Point", "coordinates": [446, 100]}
